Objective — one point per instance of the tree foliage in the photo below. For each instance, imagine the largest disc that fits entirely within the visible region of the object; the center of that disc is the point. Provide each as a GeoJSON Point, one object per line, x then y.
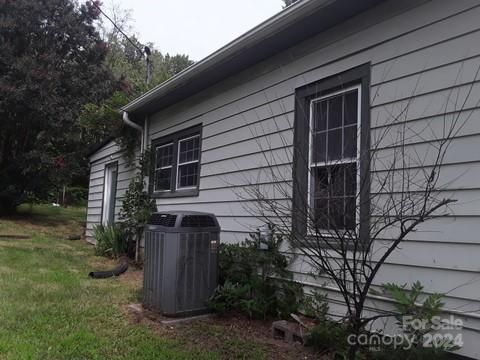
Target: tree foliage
{"type": "Point", "coordinates": [126, 60]}
{"type": "Point", "coordinates": [62, 80]}
{"type": "Point", "coordinates": [51, 63]}
{"type": "Point", "coordinates": [137, 205]}
{"type": "Point", "coordinates": [289, 2]}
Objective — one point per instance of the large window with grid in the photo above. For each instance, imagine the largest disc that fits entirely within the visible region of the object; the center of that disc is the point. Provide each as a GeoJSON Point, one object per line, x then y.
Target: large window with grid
{"type": "Point", "coordinates": [331, 167]}
{"type": "Point", "coordinates": [334, 159]}
{"type": "Point", "coordinates": [176, 164]}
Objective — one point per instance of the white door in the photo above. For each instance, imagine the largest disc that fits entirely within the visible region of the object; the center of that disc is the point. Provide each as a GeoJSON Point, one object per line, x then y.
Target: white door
{"type": "Point", "coordinates": [109, 193]}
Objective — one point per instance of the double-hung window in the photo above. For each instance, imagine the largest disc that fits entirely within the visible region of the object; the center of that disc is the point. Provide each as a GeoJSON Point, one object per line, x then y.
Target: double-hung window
{"type": "Point", "coordinates": [334, 159]}
{"type": "Point", "coordinates": [176, 164]}
{"type": "Point", "coordinates": [163, 167]}
{"type": "Point", "coordinates": [331, 156]}
{"type": "Point", "coordinates": [188, 160]}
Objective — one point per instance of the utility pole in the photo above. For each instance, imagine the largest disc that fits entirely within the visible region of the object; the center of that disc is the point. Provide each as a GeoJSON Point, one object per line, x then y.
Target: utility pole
{"type": "Point", "coordinates": [149, 64]}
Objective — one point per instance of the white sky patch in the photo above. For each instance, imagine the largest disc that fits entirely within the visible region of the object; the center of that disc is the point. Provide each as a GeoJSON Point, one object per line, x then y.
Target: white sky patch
{"type": "Point", "coordinates": [196, 28]}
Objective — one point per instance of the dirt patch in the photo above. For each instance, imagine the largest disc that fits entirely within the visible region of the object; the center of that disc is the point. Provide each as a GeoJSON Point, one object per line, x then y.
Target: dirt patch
{"type": "Point", "coordinates": [223, 334]}
{"type": "Point", "coordinates": [100, 263]}
{"type": "Point", "coordinates": [133, 276]}
{"type": "Point", "coordinates": [233, 336]}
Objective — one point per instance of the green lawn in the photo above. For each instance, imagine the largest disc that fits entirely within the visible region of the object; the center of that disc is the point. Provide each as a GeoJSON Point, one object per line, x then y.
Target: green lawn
{"type": "Point", "coordinates": [50, 309]}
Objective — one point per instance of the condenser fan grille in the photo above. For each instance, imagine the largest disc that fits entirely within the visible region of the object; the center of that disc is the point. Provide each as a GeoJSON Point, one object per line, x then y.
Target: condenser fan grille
{"type": "Point", "coordinates": [163, 219]}
{"type": "Point", "coordinates": [198, 221]}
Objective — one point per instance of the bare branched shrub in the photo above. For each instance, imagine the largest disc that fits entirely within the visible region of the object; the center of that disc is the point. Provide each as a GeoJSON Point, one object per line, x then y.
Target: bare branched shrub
{"type": "Point", "coordinates": [350, 229]}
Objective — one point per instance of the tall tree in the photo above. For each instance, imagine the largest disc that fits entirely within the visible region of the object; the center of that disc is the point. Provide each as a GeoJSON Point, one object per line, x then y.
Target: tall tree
{"type": "Point", "coordinates": [126, 61]}
{"type": "Point", "coordinates": [51, 63]}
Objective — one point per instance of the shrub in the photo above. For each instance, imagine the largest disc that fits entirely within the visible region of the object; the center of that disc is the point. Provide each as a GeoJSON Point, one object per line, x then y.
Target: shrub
{"type": "Point", "coordinates": [329, 336]}
{"type": "Point", "coordinates": [255, 282]}
{"type": "Point", "coordinates": [111, 241]}
{"type": "Point", "coordinates": [137, 206]}
{"type": "Point", "coordinates": [409, 302]}
{"type": "Point", "coordinates": [421, 310]}
{"type": "Point", "coordinates": [315, 305]}
{"type": "Point", "coordinates": [228, 297]}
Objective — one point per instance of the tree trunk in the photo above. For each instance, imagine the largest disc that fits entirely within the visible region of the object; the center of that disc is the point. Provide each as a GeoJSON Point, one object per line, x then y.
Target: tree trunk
{"type": "Point", "coordinates": [356, 328]}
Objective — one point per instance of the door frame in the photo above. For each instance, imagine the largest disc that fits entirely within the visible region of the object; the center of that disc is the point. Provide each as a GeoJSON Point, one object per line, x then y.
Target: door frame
{"type": "Point", "coordinates": [109, 194]}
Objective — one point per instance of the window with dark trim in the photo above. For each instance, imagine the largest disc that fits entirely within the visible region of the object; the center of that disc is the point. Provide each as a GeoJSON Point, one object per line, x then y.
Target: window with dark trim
{"type": "Point", "coordinates": [334, 159]}
{"type": "Point", "coordinates": [175, 169]}
{"type": "Point", "coordinates": [331, 186]}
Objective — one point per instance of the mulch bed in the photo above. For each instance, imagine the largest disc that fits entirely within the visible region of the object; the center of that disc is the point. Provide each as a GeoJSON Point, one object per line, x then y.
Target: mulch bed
{"type": "Point", "coordinates": [217, 332]}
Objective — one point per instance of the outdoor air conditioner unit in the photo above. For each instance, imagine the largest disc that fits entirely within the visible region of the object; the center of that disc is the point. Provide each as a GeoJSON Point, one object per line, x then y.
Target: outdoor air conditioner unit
{"type": "Point", "coordinates": [181, 262]}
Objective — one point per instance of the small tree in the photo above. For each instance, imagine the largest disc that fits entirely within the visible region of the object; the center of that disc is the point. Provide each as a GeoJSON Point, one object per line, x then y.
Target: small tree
{"type": "Point", "coordinates": [137, 206]}
{"type": "Point", "coordinates": [402, 188]}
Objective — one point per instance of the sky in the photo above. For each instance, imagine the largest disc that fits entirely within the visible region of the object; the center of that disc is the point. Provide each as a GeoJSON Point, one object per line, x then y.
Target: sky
{"type": "Point", "coordinates": [192, 27]}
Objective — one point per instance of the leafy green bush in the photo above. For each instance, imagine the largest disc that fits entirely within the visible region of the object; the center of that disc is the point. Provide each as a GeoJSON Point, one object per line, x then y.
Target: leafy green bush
{"type": "Point", "coordinates": [256, 282]}
{"type": "Point", "coordinates": [420, 309]}
{"type": "Point", "coordinates": [409, 302]}
{"type": "Point", "coordinates": [111, 241]}
{"type": "Point", "coordinates": [332, 337]}
{"type": "Point", "coordinates": [329, 336]}
{"type": "Point", "coordinates": [137, 206]}
{"type": "Point", "coordinates": [315, 305]}
{"type": "Point", "coordinates": [228, 297]}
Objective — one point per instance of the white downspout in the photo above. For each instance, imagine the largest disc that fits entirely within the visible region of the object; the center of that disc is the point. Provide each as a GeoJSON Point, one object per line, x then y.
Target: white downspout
{"type": "Point", "coordinates": [130, 123]}
{"type": "Point", "coordinates": [143, 134]}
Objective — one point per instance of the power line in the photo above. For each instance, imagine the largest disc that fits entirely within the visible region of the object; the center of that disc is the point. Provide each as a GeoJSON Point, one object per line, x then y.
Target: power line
{"type": "Point", "coordinates": [118, 28]}
{"type": "Point", "coordinates": [145, 51]}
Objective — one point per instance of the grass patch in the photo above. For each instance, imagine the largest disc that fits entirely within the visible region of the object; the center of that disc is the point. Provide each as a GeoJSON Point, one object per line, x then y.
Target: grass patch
{"type": "Point", "coordinates": [48, 215]}
{"type": "Point", "coordinates": [50, 309]}
{"type": "Point", "coordinates": [44, 220]}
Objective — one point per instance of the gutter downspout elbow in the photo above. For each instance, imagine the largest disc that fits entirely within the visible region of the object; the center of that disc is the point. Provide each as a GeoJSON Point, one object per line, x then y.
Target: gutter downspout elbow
{"type": "Point", "coordinates": [126, 120]}
{"type": "Point", "coordinates": [143, 132]}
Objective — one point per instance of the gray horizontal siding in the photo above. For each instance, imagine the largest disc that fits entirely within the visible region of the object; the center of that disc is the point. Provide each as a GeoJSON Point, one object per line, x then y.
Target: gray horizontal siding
{"type": "Point", "coordinates": [109, 153]}
{"type": "Point", "coordinates": [228, 118]}
{"type": "Point", "coordinates": [297, 73]}
{"type": "Point", "coordinates": [421, 53]}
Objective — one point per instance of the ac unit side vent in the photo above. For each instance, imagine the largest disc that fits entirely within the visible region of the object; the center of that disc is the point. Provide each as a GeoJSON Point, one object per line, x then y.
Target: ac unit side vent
{"type": "Point", "coordinates": [195, 221]}
{"type": "Point", "coordinates": [167, 220]}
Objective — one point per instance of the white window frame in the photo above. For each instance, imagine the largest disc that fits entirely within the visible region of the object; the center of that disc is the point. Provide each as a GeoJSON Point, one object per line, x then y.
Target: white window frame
{"type": "Point", "coordinates": [161, 168]}
{"type": "Point", "coordinates": [110, 171]}
{"type": "Point", "coordinates": [177, 178]}
{"type": "Point", "coordinates": [327, 163]}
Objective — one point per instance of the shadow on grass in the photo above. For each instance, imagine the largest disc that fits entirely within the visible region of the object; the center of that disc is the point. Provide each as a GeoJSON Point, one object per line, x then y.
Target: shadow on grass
{"type": "Point", "coordinates": [47, 215]}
